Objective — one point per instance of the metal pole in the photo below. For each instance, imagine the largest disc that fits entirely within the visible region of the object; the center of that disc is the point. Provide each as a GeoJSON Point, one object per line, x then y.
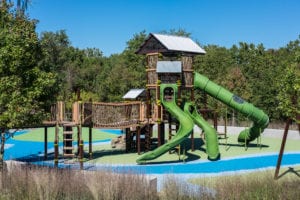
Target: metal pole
{"type": "Point", "coordinates": [286, 130]}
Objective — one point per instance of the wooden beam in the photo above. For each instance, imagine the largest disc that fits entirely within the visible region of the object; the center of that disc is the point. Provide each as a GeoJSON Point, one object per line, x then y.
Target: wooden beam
{"type": "Point", "coordinates": [286, 130]}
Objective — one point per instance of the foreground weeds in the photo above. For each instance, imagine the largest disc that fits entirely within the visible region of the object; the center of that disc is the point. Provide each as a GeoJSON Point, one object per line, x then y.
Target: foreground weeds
{"type": "Point", "coordinates": [31, 182]}
{"type": "Point", "coordinates": [258, 185]}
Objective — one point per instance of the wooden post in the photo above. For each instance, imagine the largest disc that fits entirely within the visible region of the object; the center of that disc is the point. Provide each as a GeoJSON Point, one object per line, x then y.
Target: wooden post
{"type": "Point", "coordinates": [138, 139]}
{"type": "Point", "coordinates": [56, 146]}
{"type": "Point", "coordinates": [148, 131]}
{"type": "Point", "coordinates": [90, 143]}
{"type": "Point", "coordinates": [78, 140]}
{"type": "Point", "coordinates": [192, 134]}
{"type": "Point", "coordinates": [80, 146]}
{"type": "Point", "coordinates": [127, 136]}
{"type": "Point", "coordinates": [215, 120]}
{"type": "Point", "coordinates": [286, 130]}
{"type": "Point", "coordinates": [45, 143]}
{"type": "Point", "coordinates": [159, 113]}
{"type": "Point", "coordinates": [81, 153]}
{"type": "Point", "coordinates": [162, 131]}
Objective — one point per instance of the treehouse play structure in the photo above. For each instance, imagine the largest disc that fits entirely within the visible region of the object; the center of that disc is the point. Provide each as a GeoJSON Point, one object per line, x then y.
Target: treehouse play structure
{"type": "Point", "coordinates": [167, 103]}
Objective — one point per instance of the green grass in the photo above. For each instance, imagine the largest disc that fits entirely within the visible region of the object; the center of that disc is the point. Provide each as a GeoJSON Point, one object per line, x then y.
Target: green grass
{"type": "Point", "coordinates": [37, 135]}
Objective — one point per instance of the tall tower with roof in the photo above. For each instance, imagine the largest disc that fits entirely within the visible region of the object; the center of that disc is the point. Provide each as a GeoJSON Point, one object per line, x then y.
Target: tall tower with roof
{"type": "Point", "coordinates": [169, 59]}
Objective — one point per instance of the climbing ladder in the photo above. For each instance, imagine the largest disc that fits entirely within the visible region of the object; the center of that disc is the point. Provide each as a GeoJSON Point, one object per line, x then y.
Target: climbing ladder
{"type": "Point", "coordinates": [68, 138]}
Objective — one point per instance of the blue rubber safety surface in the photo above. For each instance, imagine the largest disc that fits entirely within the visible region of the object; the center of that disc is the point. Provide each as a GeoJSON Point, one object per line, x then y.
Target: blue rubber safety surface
{"type": "Point", "coordinates": [33, 151]}
{"type": "Point", "coordinates": [220, 166]}
{"type": "Point", "coordinates": [17, 149]}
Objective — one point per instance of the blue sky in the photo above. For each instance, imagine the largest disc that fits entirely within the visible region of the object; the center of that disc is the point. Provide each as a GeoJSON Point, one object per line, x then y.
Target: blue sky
{"type": "Point", "coordinates": [109, 24]}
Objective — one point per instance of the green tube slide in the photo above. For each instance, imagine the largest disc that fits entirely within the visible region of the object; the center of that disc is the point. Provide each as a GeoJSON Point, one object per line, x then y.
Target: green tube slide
{"type": "Point", "coordinates": [259, 118]}
{"type": "Point", "coordinates": [168, 93]}
{"type": "Point", "coordinates": [211, 137]}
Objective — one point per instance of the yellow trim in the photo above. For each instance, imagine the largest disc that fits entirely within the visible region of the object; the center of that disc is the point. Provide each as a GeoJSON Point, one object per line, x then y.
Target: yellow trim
{"type": "Point", "coordinates": [158, 102]}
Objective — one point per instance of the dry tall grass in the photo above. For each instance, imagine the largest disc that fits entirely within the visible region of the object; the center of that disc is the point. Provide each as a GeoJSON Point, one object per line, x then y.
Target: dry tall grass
{"type": "Point", "coordinates": [258, 185]}
{"type": "Point", "coordinates": [31, 182]}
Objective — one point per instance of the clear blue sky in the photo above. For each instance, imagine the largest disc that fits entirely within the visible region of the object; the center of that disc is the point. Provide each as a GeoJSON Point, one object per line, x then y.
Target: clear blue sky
{"type": "Point", "coordinates": [109, 24]}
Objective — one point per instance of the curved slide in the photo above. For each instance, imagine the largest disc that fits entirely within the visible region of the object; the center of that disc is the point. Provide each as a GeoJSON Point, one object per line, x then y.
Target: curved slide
{"type": "Point", "coordinates": [211, 137]}
{"type": "Point", "coordinates": [185, 127]}
{"type": "Point", "coordinates": [259, 118]}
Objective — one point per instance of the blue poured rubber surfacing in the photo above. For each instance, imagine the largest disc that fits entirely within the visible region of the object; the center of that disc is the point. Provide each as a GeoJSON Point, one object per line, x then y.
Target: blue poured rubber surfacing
{"type": "Point", "coordinates": [21, 149]}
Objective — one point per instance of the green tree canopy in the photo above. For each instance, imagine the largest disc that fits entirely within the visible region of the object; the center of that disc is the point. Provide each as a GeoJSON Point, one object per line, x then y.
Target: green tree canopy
{"type": "Point", "coordinates": [25, 89]}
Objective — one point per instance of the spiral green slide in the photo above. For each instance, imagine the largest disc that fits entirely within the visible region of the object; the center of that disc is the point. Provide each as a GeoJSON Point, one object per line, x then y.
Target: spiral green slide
{"type": "Point", "coordinates": [211, 136]}
{"type": "Point", "coordinates": [259, 118]}
{"type": "Point", "coordinates": [189, 116]}
{"type": "Point", "coordinates": [185, 124]}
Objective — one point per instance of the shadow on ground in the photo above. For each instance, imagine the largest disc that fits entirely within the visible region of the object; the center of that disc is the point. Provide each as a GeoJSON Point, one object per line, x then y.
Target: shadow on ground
{"type": "Point", "coordinates": [288, 171]}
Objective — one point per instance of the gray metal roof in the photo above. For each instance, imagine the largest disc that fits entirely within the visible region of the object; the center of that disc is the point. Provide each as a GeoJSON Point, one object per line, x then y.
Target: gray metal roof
{"type": "Point", "coordinates": [179, 43]}
{"type": "Point", "coordinates": [169, 44]}
{"type": "Point", "coordinates": [168, 67]}
{"type": "Point", "coordinates": [133, 93]}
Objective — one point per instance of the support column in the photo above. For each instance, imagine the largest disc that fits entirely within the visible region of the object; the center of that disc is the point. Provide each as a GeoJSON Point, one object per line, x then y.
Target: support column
{"type": "Point", "coordinates": [192, 134]}
{"type": "Point", "coordinates": [138, 139]}
{"type": "Point", "coordinates": [127, 136]}
{"type": "Point", "coordinates": [90, 143]}
{"type": "Point", "coordinates": [45, 143]}
{"type": "Point", "coordinates": [81, 152]}
{"type": "Point", "coordinates": [78, 140]}
{"type": "Point", "coordinates": [159, 113]}
{"type": "Point", "coordinates": [161, 127]}
{"type": "Point", "coordinates": [56, 146]}
{"type": "Point", "coordinates": [148, 128]}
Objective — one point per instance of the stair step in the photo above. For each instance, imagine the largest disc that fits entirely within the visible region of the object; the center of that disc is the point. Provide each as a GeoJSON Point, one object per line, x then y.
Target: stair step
{"type": "Point", "coordinates": [69, 124]}
{"type": "Point", "coordinates": [68, 132]}
{"type": "Point", "coordinates": [68, 139]}
{"type": "Point", "coordinates": [69, 155]}
{"type": "Point", "coordinates": [68, 148]}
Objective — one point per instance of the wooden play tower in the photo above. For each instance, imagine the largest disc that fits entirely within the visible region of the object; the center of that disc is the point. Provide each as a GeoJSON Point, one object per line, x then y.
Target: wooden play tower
{"type": "Point", "coordinates": [169, 60]}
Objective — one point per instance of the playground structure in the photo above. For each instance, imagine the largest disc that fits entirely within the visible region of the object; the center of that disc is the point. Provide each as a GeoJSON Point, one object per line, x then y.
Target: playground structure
{"type": "Point", "coordinates": [168, 103]}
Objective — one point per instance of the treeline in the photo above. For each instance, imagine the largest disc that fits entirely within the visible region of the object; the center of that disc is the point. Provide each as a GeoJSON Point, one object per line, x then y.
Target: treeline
{"type": "Point", "coordinates": [256, 74]}
{"type": "Point", "coordinates": [250, 71]}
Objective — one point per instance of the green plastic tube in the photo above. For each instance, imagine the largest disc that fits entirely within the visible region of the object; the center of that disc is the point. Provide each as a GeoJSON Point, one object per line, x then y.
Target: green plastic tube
{"type": "Point", "coordinates": [259, 118]}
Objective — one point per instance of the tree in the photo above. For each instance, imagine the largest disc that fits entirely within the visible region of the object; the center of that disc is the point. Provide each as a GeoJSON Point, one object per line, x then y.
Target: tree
{"type": "Point", "coordinates": [289, 91]}
{"type": "Point", "coordinates": [25, 89]}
